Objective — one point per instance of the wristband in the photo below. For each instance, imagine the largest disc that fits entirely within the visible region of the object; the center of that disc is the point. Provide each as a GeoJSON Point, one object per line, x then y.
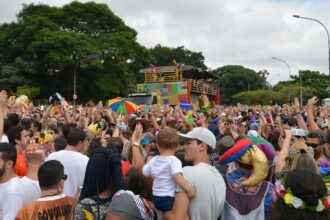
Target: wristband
{"type": "Point", "coordinates": [136, 145]}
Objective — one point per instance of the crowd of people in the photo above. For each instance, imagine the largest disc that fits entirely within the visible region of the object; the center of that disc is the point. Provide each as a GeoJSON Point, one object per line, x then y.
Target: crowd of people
{"type": "Point", "coordinates": [214, 162]}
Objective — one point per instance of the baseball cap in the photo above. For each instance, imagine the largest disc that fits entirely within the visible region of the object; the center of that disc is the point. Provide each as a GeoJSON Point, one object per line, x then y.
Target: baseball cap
{"type": "Point", "coordinates": [298, 132]}
{"type": "Point", "coordinates": [147, 138]}
{"type": "Point", "coordinates": [215, 130]}
{"type": "Point", "coordinates": [253, 133]}
{"type": "Point", "coordinates": [202, 134]}
{"type": "Point", "coordinates": [215, 120]}
{"type": "Point", "coordinates": [254, 124]}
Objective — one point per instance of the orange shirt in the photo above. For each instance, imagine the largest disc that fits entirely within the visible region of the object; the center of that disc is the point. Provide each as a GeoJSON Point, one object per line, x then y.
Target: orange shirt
{"type": "Point", "coordinates": [52, 207]}
{"type": "Point", "coordinates": [20, 166]}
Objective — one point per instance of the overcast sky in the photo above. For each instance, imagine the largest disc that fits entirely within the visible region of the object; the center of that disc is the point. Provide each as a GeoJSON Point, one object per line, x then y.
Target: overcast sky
{"type": "Point", "coordinates": [244, 32]}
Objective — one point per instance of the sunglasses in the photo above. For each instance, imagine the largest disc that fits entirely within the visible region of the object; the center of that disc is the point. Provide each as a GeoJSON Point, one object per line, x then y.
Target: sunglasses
{"type": "Point", "coordinates": [312, 145]}
{"type": "Point", "coordinates": [64, 177]}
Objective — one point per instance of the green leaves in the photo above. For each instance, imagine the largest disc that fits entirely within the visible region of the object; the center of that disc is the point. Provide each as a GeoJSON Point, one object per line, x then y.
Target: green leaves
{"type": "Point", "coordinates": [164, 56]}
{"type": "Point", "coordinates": [16, 73]}
{"type": "Point", "coordinates": [31, 92]}
{"type": "Point", "coordinates": [44, 39]}
{"type": "Point", "coordinates": [235, 79]}
{"type": "Point", "coordinates": [272, 96]}
{"type": "Point", "coordinates": [37, 51]}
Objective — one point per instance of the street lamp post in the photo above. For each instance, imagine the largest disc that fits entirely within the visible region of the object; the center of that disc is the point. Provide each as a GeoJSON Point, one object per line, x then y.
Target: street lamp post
{"type": "Point", "coordinates": [301, 89]}
{"type": "Point", "coordinates": [325, 28]}
{"type": "Point", "coordinates": [77, 61]}
{"type": "Point", "coordinates": [289, 74]}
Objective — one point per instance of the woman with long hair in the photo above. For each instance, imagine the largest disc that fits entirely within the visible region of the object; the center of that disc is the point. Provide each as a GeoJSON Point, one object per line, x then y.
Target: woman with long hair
{"type": "Point", "coordinates": [103, 178]}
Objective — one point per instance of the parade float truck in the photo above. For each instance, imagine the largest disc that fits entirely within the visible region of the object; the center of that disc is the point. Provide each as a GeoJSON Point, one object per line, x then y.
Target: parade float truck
{"type": "Point", "coordinates": [173, 84]}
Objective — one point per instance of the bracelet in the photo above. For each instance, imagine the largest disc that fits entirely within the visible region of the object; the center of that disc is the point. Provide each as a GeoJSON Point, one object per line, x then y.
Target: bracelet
{"type": "Point", "coordinates": [136, 145]}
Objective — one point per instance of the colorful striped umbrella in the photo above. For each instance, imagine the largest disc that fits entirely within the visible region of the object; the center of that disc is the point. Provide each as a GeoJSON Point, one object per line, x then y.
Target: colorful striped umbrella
{"type": "Point", "coordinates": [121, 105]}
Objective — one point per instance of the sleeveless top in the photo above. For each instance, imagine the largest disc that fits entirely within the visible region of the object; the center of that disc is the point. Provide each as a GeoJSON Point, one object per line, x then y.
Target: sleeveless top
{"type": "Point", "coordinates": [241, 206]}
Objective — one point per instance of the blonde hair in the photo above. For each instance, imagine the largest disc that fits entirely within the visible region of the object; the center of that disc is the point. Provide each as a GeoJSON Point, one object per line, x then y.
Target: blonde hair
{"type": "Point", "coordinates": [304, 160]}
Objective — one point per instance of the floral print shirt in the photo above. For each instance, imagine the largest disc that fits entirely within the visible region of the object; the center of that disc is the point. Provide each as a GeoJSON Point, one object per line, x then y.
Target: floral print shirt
{"type": "Point", "coordinates": [235, 179]}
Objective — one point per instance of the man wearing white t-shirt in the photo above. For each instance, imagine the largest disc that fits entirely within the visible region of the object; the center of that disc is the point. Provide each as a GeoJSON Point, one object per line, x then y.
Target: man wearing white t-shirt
{"type": "Point", "coordinates": [73, 161]}
{"type": "Point", "coordinates": [209, 184]}
{"type": "Point", "coordinates": [11, 193]}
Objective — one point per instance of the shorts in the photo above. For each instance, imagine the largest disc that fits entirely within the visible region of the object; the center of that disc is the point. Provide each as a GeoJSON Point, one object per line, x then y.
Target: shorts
{"type": "Point", "coordinates": [163, 203]}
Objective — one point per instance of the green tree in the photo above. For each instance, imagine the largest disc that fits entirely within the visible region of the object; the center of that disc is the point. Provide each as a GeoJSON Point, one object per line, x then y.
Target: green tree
{"type": "Point", "coordinates": [280, 95]}
{"type": "Point", "coordinates": [44, 38]}
{"type": "Point", "coordinates": [165, 55]}
{"type": "Point", "coordinates": [313, 83]}
{"type": "Point", "coordinates": [235, 79]}
{"type": "Point", "coordinates": [314, 80]}
{"type": "Point", "coordinates": [262, 97]}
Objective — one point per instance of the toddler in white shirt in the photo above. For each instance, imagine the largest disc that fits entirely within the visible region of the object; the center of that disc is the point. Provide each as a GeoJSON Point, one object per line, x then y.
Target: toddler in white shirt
{"type": "Point", "coordinates": [166, 170]}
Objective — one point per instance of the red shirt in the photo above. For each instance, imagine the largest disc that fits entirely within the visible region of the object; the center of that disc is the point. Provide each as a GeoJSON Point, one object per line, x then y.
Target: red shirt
{"type": "Point", "coordinates": [125, 167]}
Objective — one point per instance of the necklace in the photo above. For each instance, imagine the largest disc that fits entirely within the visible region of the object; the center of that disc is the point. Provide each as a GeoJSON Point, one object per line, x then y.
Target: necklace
{"type": "Point", "coordinates": [50, 195]}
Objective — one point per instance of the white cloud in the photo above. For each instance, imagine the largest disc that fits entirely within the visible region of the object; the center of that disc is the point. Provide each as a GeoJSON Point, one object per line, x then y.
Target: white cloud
{"type": "Point", "coordinates": [245, 32]}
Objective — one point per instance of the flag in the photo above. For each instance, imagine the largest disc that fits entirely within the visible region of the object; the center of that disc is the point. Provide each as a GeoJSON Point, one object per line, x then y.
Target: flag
{"type": "Point", "coordinates": [190, 117]}
{"type": "Point", "coordinates": [153, 70]}
{"type": "Point", "coordinates": [174, 62]}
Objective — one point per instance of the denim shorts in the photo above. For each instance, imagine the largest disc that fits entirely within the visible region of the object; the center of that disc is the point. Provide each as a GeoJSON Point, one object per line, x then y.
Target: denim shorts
{"type": "Point", "coordinates": [163, 203]}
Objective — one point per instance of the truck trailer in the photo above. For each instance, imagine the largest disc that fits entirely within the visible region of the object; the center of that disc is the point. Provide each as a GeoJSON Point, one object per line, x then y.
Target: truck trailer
{"type": "Point", "coordinates": [173, 84]}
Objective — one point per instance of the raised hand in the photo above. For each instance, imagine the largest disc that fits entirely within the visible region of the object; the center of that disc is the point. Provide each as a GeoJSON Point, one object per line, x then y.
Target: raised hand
{"type": "Point", "coordinates": [296, 105]}
{"type": "Point", "coordinates": [312, 101]}
{"type": "Point", "coordinates": [3, 98]}
{"type": "Point", "coordinates": [137, 134]}
{"type": "Point", "coordinates": [177, 107]}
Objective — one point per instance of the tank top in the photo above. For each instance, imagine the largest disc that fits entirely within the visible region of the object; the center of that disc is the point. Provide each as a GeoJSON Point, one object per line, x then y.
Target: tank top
{"type": "Point", "coordinates": [241, 206]}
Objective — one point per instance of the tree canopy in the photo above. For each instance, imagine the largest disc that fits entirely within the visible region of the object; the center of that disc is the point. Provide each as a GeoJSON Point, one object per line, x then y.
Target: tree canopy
{"type": "Point", "coordinates": [280, 95]}
{"type": "Point", "coordinates": [165, 56]}
{"type": "Point", "coordinates": [235, 79]}
{"type": "Point", "coordinates": [37, 50]}
{"type": "Point", "coordinates": [40, 51]}
{"type": "Point", "coordinates": [313, 83]}
{"type": "Point", "coordinates": [314, 80]}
